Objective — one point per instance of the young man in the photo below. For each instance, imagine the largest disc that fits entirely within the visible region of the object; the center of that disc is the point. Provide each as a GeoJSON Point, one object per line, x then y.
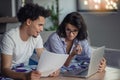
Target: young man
{"type": "Point", "coordinates": [18, 44]}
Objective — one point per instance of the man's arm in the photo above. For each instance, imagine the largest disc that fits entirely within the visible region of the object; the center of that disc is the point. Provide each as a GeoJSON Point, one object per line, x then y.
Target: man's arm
{"type": "Point", "coordinates": [39, 51]}
{"type": "Point", "coordinates": [7, 72]}
{"type": "Point", "coordinates": [6, 61]}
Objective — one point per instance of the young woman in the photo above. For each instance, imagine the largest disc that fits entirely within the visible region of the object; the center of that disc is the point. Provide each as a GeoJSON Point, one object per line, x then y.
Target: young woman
{"type": "Point", "coordinates": [71, 38]}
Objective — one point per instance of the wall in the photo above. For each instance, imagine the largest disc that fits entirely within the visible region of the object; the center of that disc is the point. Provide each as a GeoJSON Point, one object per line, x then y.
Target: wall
{"type": "Point", "coordinates": [64, 9]}
{"type": "Point", "coordinates": [104, 28]}
{"type": "Point", "coordinates": [7, 8]}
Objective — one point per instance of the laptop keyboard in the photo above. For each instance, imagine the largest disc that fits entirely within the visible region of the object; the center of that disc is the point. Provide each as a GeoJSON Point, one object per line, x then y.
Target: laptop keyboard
{"type": "Point", "coordinates": [75, 71]}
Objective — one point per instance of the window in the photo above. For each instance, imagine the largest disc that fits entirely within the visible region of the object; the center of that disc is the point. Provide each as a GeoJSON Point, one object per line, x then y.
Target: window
{"type": "Point", "coordinates": [97, 5]}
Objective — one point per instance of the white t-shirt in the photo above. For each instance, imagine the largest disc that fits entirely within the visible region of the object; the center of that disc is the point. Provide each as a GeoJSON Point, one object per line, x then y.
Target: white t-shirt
{"type": "Point", "coordinates": [20, 50]}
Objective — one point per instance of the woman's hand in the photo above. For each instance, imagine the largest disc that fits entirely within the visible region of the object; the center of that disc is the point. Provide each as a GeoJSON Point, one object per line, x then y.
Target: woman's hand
{"type": "Point", "coordinates": [77, 49]}
{"type": "Point", "coordinates": [102, 65]}
{"type": "Point", "coordinates": [54, 74]}
{"type": "Point", "coordinates": [33, 75]}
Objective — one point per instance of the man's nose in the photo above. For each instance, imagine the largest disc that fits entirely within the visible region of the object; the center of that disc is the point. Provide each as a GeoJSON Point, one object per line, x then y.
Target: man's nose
{"type": "Point", "coordinates": [41, 29]}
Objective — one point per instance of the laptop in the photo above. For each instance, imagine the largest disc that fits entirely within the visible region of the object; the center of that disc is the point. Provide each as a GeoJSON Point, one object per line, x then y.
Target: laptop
{"type": "Point", "coordinates": [96, 57]}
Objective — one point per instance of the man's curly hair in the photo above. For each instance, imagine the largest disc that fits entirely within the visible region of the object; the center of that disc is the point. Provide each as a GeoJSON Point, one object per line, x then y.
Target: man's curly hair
{"type": "Point", "coordinates": [32, 11]}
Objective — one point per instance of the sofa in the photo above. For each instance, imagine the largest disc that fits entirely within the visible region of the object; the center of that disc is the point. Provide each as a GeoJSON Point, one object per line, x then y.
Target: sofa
{"type": "Point", "coordinates": [111, 55]}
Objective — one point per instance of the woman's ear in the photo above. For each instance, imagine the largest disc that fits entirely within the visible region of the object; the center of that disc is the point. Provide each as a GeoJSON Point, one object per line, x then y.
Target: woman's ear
{"type": "Point", "coordinates": [28, 22]}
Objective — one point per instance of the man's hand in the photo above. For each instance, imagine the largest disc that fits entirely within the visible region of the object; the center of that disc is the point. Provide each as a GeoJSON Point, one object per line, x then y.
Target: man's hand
{"type": "Point", "coordinates": [54, 74]}
{"type": "Point", "coordinates": [33, 75]}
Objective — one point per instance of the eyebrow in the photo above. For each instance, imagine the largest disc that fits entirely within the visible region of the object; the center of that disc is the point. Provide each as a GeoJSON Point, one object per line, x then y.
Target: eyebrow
{"type": "Point", "coordinates": [40, 24]}
{"type": "Point", "coordinates": [72, 30]}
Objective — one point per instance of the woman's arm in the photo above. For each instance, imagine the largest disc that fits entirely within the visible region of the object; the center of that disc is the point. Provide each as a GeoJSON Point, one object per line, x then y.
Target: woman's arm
{"type": "Point", "coordinates": [102, 65]}
{"type": "Point", "coordinates": [76, 50]}
{"type": "Point", "coordinates": [68, 60]}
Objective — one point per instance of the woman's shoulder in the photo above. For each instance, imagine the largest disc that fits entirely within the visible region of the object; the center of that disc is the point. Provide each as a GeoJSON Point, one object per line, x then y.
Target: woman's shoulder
{"type": "Point", "coordinates": [53, 35]}
{"type": "Point", "coordinates": [85, 41]}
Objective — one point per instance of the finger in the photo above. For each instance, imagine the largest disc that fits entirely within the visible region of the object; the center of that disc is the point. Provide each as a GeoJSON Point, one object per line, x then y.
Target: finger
{"type": "Point", "coordinates": [51, 75]}
{"type": "Point", "coordinates": [104, 60]}
{"type": "Point", "coordinates": [54, 74]}
{"type": "Point", "coordinates": [101, 69]}
{"type": "Point", "coordinates": [37, 72]}
{"type": "Point", "coordinates": [78, 49]}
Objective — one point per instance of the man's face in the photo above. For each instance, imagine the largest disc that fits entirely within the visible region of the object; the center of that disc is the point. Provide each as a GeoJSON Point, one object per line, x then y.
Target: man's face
{"type": "Point", "coordinates": [36, 26]}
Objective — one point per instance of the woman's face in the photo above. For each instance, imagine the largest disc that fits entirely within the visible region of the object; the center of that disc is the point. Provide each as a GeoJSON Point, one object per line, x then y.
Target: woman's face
{"type": "Point", "coordinates": [71, 32]}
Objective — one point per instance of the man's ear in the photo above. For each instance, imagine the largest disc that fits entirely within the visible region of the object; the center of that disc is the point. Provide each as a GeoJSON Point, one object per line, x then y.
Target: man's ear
{"type": "Point", "coordinates": [28, 22]}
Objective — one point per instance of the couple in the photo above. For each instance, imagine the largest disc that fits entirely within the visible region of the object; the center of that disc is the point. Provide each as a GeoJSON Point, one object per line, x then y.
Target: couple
{"type": "Point", "coordinates": [18, 44]}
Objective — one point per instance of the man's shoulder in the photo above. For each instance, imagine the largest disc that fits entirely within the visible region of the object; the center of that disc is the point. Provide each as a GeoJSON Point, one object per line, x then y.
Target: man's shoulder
{"type": "Point", "coordinates": [12, 31]}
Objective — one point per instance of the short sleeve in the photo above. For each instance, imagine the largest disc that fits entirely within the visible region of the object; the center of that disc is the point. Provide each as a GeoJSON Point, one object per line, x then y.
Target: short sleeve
{"type": "Point", "coordinates": [39, 43]}
{"type": "Point", "coordinates": [87, 47]}
{"type": "Point", "coordinates": [54, 44]}
{"type": "Point", "coordinates": [7, 45]}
